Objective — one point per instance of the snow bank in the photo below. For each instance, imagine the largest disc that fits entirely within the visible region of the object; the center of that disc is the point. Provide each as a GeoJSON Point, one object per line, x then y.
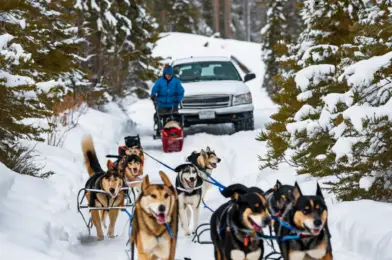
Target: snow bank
{"type": "Point", "coordinates": [363, 227]}
{"type": "Point", "coordinates": [38, 217]}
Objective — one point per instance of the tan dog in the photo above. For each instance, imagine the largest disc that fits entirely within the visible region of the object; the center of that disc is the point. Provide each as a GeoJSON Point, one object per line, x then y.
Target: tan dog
{"type": "Point", "coordinates": [110, 182]}
{"type": "Point", "coordinates": [172, 124]}
{"type": "Point", "coordinates": [156, 206]}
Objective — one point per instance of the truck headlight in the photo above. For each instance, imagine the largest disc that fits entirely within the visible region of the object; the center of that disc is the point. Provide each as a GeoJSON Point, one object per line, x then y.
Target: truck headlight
{"type": "Point", "coordinates": [242, 99]}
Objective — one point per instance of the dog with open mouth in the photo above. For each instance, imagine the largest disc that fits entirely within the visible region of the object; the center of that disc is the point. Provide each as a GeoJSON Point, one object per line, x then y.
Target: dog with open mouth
{"type": "Point", "coordinates": [234, 224]}
{"type": "Point", "coordinates": [205, 160]}
{"type": "Point", "coordinates": [155, 221]}
{"type": "Point", "coordinates": [110, 182]}
{"type": "Point", "coordinates": [309, 216]}
{"type": "Point", "coordinates": [189, 186]}
{"type": "Point", "coordinates": [131, 168]}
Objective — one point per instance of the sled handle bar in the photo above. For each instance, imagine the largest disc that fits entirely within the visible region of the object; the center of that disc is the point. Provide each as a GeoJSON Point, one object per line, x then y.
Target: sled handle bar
{"type": "Point", "coordinates": [113, 156]}
{"type": "Point", "coordinates": [102, 191]}
{"type": "Point", "coordinates": [107, 208]}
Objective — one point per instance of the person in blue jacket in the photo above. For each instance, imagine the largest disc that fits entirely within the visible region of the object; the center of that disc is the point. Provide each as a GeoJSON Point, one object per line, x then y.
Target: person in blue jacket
{"type": "Point", "coordinates": [167, 93]}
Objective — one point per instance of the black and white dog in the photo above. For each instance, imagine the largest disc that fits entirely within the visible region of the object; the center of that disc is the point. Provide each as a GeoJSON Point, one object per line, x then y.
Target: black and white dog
{"type": "Point", "coordinates": [189, 188]}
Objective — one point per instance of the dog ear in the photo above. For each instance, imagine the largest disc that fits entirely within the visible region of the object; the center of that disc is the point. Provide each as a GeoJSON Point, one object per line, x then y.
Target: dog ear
{"type": "Point", "coordinates": [319, 192]}
{"type": "Point", "coordinates": [297, 191]}
{"type": "Point", "coordinates": [201, 160]}
{"type": "Point", "coordinates": [165, 179]}
{"type": "Point", "coordinates": [181, 167]}
{"type": "Point", "coordinates": [277, 185]}
{"type": "Point", "coordinates": [234, 190]}
{"type": "Point", "coordinates": [110, 165]}
{"type": "Point", "coordinates": [145, 184]}
{"type": "Point", "coordinates": [208, 149]}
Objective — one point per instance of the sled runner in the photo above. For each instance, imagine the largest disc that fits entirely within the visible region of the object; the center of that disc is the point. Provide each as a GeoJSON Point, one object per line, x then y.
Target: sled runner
{"type": "Point", "coordinates": [82, 203]}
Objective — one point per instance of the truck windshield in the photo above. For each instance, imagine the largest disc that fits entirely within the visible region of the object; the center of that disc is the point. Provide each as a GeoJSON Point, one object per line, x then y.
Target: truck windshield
{"type": "Point", "coordinates": [206, 71]}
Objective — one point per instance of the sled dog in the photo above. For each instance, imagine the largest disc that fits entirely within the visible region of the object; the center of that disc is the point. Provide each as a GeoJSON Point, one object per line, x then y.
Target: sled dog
{"type": "Point", "coordinates": [233, 222]}
{"type": "Point", "coordinates": [279, 198]}
{"type": "Point", "coordinates": [206, 160]}
{"type": "Point", "coordinates": [110, 182]}
{"type": "Point", "coordinates": [189, 189]}
{"type": "Point", "coordinates": [172, 124]}
{"type": "Point", "coordinates": [155, 222]}
{"type": "Point", "coordinates": [309, 216]}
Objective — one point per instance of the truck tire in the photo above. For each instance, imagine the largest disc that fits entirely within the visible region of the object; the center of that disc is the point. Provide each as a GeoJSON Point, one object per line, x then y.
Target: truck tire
{"type": "Point", "coordinates": [245, 124]}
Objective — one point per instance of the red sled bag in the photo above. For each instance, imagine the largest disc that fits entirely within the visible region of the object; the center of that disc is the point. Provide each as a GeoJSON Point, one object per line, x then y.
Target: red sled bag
{"type": "Point", "coordinates": [172, 139]}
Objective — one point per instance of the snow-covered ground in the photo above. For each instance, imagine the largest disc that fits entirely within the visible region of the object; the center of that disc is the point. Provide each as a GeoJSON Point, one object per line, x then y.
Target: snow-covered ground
{"type": "Point", "coordinates": [39, 220]}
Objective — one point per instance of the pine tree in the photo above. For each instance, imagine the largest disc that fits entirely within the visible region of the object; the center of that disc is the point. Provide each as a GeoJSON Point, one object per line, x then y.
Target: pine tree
{"type": "Point", "coordinates": [274, 37]}
{"type": "Point", "coordinates": [184, 16]}
{"type": "Point", "coordinates": [300, 133]}
{"type": "Point", "coordinates": [206, 17]}
{"type": "Point", "coordinates": [119, 40]}
{"type": "Point", "coordinates": [37, 63]}
{"type": "Point", "coordinates": [362, 150]}
{"type": "Point", "coordinates": [176, 15]}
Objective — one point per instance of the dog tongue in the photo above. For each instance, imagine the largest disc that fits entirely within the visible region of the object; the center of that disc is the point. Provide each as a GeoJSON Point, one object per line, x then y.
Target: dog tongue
{"type": "Point", "coordinates": [316, 231]}
{"type": "Point", "coordinates": [191, 183]}
{"type": "Point", "coordinates": [161, 218]}
{"type": "Point", "coordinates": [256, 227]}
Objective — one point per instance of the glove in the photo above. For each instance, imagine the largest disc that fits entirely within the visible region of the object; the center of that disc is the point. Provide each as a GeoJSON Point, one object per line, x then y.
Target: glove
{"type": "Point", "coordinates": [154, 99]}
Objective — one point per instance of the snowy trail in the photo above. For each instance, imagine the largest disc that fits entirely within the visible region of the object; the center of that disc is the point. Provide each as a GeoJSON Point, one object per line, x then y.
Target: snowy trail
{"type": "Point", "coordinates": [38, 218]}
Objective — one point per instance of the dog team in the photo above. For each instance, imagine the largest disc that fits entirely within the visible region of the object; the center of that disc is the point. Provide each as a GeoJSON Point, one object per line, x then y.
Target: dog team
{"type": "Point", "coordinates": [159, 208]}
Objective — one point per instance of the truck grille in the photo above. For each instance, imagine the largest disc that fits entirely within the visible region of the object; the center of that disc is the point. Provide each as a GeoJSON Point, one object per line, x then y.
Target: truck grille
{"type": "Point", "coordinates": [206, 102]}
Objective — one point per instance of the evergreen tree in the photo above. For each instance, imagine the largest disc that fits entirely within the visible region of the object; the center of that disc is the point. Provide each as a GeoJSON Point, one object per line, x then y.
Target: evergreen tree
{"type": "Point", "coordinates": [184, 16]}
{"type": "Point", "coordinates": [206, 17]}
{"type": "Point", "coordinates": [176, 15]}
{"type": "Point", "coordinates": [120, 36]}
{"type": "Point", "coordinates": [300, 133]}
{"type": "Point", "coordinates": [37, 62]}
{"type": "Point", "coordinates": [363, 132]}
{"type": "Point", "coordinates": [274, 37]}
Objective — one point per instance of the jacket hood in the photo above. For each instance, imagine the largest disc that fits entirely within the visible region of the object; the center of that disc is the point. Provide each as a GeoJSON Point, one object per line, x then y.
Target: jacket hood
{"type": "Point", "coordinates": [168, 70]}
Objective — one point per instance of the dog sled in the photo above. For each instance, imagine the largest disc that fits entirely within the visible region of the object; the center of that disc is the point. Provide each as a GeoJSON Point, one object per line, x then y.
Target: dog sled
{"type": "Point", "coordinates": [170, 131]}
{"type": "Point", "coordinates": [82, 203]}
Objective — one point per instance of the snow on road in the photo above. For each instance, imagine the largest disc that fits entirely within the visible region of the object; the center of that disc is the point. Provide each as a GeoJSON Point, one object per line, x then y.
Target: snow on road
{"type": "Point", "coordinates": [38, 218]}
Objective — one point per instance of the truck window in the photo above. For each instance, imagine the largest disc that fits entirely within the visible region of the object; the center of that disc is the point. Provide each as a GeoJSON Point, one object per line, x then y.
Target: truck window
{"type": "Point", "coordinates": [207, 71]}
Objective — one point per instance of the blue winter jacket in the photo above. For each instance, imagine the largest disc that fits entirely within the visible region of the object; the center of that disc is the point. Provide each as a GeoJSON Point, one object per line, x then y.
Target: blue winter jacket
{"type": "Point", "coordinates": [169, 92]}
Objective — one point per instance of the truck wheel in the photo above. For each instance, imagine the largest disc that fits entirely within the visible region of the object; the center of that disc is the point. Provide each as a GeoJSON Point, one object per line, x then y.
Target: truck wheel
{"type": "Point", "coordinates": [245, 125]}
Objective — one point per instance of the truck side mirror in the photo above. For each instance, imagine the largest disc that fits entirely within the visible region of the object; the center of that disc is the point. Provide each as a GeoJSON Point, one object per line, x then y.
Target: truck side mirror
{"type": "Point", "coordinates": [249, 77]}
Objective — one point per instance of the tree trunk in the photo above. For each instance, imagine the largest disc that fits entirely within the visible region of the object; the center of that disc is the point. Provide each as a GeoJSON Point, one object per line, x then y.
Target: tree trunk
{"type": "Point", "coordinates": [216, 16]}
{"type": "Point", "coordinates": [227, 20]}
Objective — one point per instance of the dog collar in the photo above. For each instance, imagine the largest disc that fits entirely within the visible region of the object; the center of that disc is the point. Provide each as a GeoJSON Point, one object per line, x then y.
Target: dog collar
{"type": "Point", "coordinates": [189, 190]}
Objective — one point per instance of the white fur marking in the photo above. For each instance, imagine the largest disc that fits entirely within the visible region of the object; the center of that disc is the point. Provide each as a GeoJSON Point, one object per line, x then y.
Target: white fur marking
{"type": "Point", "coordinates": [257, 219]}
{"type": "Point", "coordinates": [297, 255]}
{"type": "Point", "coordinates": [317, 253]}
{"type": "Point", "coordinates": [237, 255]}
{"type": "Point", "coordinates": [254, 255]}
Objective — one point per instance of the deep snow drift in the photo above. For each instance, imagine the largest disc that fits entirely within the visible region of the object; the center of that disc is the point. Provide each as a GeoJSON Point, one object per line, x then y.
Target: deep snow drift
{"type": "Point", "coordinates": [38, 218]}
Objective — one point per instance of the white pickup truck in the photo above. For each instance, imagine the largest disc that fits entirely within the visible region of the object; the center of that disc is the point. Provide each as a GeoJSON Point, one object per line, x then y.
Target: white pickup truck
{"type": "Point", "coordinates": [214, 92]}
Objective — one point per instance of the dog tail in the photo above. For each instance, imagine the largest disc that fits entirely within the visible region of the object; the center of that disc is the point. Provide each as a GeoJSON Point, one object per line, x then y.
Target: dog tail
{"type": "Point", "coordinates": [90, 157]}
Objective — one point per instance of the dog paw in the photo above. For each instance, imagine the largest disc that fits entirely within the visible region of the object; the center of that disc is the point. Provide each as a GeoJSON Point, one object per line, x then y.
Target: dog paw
{"type": "Point", "coordinates": [111, 235]}
{"type": "Point", "coordinates": [100, 238]}
{"type": "Point", "coordinates": [187, 233]}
